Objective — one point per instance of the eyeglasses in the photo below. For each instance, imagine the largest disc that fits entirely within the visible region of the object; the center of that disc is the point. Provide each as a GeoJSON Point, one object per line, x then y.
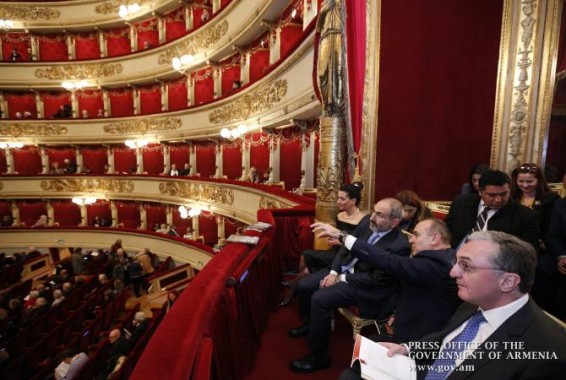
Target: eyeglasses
{"type": "Point", "coordinates": [528, 168]}
{"type": "Point", "coordinates": [467, 267]}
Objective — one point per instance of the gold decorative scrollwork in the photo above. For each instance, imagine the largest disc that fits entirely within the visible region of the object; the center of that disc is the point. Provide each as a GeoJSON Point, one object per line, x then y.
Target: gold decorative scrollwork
{"type": "Point", "coordinates": [143, 126]}
{"type": "Point", "coordinates": [198, 192]}
{"type": "Point", "coordinates": [1, 185]}
{"type": "Point", "coordinates": [84, 71]}
{"type": "Point", "coordinates": [28, 13]}
{"type": "Point", "coordinates": [327, 183]}
{"type": "Point", "coordinates": [256, 101]}
{"type": "Point", "coordinates": [265, 203]}
{"type": "Point", "coordinates": [31, 129]}
{"type": "Point", "coordinates": [195, 43]}
{"type": "Point", "coordinates": [109, 7]}
{"type": "Point", "coordinates": [88, 185]}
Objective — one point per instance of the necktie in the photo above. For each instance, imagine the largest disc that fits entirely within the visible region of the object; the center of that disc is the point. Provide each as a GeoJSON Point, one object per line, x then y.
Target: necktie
{"type": "Point", "coordinates": [372, 239]}
{"type": "Point", "coordinates": [445, 364]}
{"type": "Point", "coordinates": [481, 220]}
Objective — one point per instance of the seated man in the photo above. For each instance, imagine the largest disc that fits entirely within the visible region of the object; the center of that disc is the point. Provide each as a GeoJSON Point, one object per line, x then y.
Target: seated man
{"type": "Point", "coordinates": [350, 282]}
{"type": "Point", "coordinates": [499, 333]}
{"type": "Point", "coordinates": [71, 365]}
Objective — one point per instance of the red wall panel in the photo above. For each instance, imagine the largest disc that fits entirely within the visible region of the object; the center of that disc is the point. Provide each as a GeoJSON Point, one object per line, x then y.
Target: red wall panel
{"type": "Point", "coordinates": [204, 87]}
{"type": "Point", "coordinates": [150, 99]}
{"type": "Point", "coordinates": [95, 158]}
{"type": "Point", "coordinates": [179, 155]}
{"type": "Point", "coordinates": [259, 154]}
{"type": "Point", "coordinates": [53, 48]}
{"type": "Point", "coordinates": [52, 102]}
{"type": "Point", "coordinates": [90, 101]}
{"type": "Point", "coordinates": [125, 160]}
{"type": "Point", "coordinates": [27, 160]}
{"type": "Point", "coordinates": [118, 42]}
{"type": "Point", "coordinates": [232, 161]}
{"type": "Point", "coordinates": [66, 213]}
{"type": "Point", "coordinates": [128, 214]}
{"type": "Point", "coordinates": [206, 160]}
{"type": "Point", "coordinates": [177, 94]}
{"type": "Point", "coordinates": [20, 102]}
{"type": "Point", "coordinates": [87, 46]}
{"type": "Point", "coordinates": [59, 155]}
{"type": "Point", "coordinates": [153, 160]}
{"type": "Point", "coordinates": [208, 228]}
{"type": "Point", "coordinates": [20, 41]}
{"type": "Point", "coordinates": [290, 36]}
{"type": "Point", "coordinates": [181, 224]}
{"type": "Point", "coordinates": [121, 102]}
{"type": "Point", "coordinates": [3, 163]}
{"type": "Point", "coordinates": [175, 25]}
{"type": "Point", "coordinates": [290, 163]}
{"type": "Point", "coordinates": [230, 73]}
{"type": "Point", "coordinates": [155, 214]}
{"type": "Point", "coordinates": [259, 64]}
{"type": "Point", "coordinates": [31, 211]}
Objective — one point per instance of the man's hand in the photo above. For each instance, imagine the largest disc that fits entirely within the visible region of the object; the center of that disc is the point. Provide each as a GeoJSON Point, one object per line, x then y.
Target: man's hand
{"type": "Point", "coordinates": [562, 265]}
{"type": "Point", "coordinates": [395, 349]}
{"type": "Point", "coordinates": [325, 230]}
{"type": "Point", "coordinates": [332, 241]}
{"type": "Point", "coordinates": [329, 280]}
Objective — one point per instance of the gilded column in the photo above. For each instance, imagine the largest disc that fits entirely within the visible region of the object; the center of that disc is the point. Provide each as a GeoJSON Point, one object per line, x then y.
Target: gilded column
{"type": "Point", "coordinates": [188, 17]}
{"type": "Point", "coordinates": [44, 161]}
{"type": "Point", "coordinates": [34, 48]}
{"type": "Point", "coordinates": [79, 160]}
{"type": "Point", "coordinates": [102, 44]}
{"type": "Point", "coordinates": [193, 158]}
{"type": "Point", "coordinates": [220, 222]}
{"type": "Point", "coordinates": [110, 155]}
{"type": "Point", "coordinates": [9, 160]}
{"type": "Point", "coordinates": [166, 159]}
{"type": "Point", "coordinates": [3, 105]}
{"type": "Point", "coordinates": [106, 102]}
{"type": "Point", "coordinates": [275, 45]}
{"type": "Point", "coordinates": [83, 216]}
{"type": "Point", "coordinates": [274, 159]}
{"type": "Point", "coordinates": [219, 165]}
{"type": "Point", "coordinates": [164, 89]}
{"type": "Point", "coordinates": [133, 39]}
{"type": "Point", "coordinates": [50, 213]}
{"type": "Point", "coordinates": [161, 29]}
{"type": "Point", "coordinates": [39, 106]}
{"type": "Point", "coordinates": [143, 218]}
{"type": "Point", "coordinates": [190, 91]}
{"type": "Point", "coordinates": [114, 214]}
{"type": "Point", "coordinates": [136, 99]}
{"type": "Point", "coordinates": [139, 160]}
{"type": "Point", "coordinates": [71, 47]}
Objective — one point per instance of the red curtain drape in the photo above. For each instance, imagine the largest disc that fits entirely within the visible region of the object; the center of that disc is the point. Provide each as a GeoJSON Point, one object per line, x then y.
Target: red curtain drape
{"type": "Point", "coordinates": [290, 163]}
{"type": "Point", "coordinates": [259, 63]}
{"type": "Point", "coordinates": [423, 97]}
{"type": "Point", "coordinates": [206, 159]}
{"type": "Point", "coordinates": [259, 153]}
{"type": "Point", "coordinates": [204, 86]}
{"type": "Point", "coordinates": [121, 102]}
{"type": "Point", "coordinates": [100, 209]}
{"type": "Point", "coordinates": [87, 46]}
{"type": "Point", "coordinates": [118, 42]}
{"type": "Point", "coordinates": [53, 48]}
{"type": "Point", "coordinates": [128, 214]}
{"type": "Point", "coordinates": [90, 101]}
{"type": "Point", "coordinates": [53, 101]}
{"type": "Point", "coordinates": [150, 99]}
{"type": "Point", "coordinates": [561, 64]}
{"type": "Point", "coordinates": [208, 228]}
{"type": "Point", "coordinates": [125, 160]}
{"type": "Point", "coordinates": [30, 211]}
{"type": "Point", "coordinates": [153, 159]}
{"type": "Point", "coordinates": [27, 160]}
{"type": "Point", "coordinates": [66, 213]}
{"type": "Point", "coordinates": [20, 102]}
{"type": "Point", "coordinates": [175, 24]}
{"type": "Point", "coordinates": [19, 41]}
{"type": "Point", "coordinates": [179, 155]}
{"type": "Point", "coordinates": [155, 215]}
{"type": "Point", "coordinates": [95, 158]}
{"type": "Point", "coordinates": [232, 160]}
{"type": "Point", "coordinates": [177, 93]}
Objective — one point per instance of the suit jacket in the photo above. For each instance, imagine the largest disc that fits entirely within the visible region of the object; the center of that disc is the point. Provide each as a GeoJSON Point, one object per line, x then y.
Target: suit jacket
{"type": "Point", "coordinates": [428, 296]}
{"type": "Point", "coordinates": [376, 289]}
{"type": "Point", "coordinates": [528, 326]}
{"type": "Point", "coordinates": [513, 218]}
{"type": "Point", "coordinates": [556, 237]}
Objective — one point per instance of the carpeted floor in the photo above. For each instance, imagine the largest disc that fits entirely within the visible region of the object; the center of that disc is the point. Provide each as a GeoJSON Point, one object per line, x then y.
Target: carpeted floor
{"type": "Point", "coordinates": [278, 349]}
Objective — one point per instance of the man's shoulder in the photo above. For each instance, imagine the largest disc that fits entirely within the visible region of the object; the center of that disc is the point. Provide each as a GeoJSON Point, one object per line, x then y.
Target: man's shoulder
{"type": "Point", "coordinates": [466, 199]}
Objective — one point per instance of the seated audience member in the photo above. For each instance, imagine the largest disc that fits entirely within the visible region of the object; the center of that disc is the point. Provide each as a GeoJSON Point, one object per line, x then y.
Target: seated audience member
{"type": "Point", "coordinates": [186, 170]}
{"type": "Point", "coordinates": [236, 84]}
{"type": "Point", "coordinates": [31, 298]}
{"type": "Point", "coordinates": [103, 279]}
{"type": "Point", "coordinates": [99, 113]}
{"type": "Point", "coordinates": [472, 186]}
{"type": "Point", "coordinates": [163, 229]}
{"type": "Point", "coordinates": [414, 209]}
{"type": "Point", "coordinates": [253, 175]}
{"type": "Point", "coordinates": [140, 324]}
{"type": "Point", "coordinates": [7, 220]}
{"type": "Point", "coordinates": [494, 272]}
{"type": "Point", "coordinates": [96, 221]}
{"type": "Point", "coordinates": [15, 56]}
{"type": "Point", "coordinates": [119, 346]}
{"type": "Point", "coordinates": [189, 234]}
{"type": "Point", "coordinates": [350, 282]}
{"type": "Point", "coordinates": [172, 297]}
{"type": "Point", "coordinates": [41, 222]}
{"type": "Point", "coordinates": [57, 297]}
{"type": "Point", "coordinates": [19, 115]}
{"type": "Point", "coordinates": [71, 365]}
{"type": "Point", "coordinates": [556, 244]}
{"type": "Point", "coordinates": [428, 295]}
{"type": "Point", "coordinates": [173, 172]}
{"type": "Point", "coordinates": [61, 113]}
{"type": "Point", "coordinates": [492, 209]}
{"type": "Point", "coordinates": [67, 289]}
{"type": "Point", "coordinates": [41, 307]}
{"type": "Point", "coordinates": [27, 115]}
{"type": "Point", "coordinates": [171, 231]}
{"type": "Point", "coordinates": [70, 166]}
{"type": "Point", "coordinates": [118, 287]}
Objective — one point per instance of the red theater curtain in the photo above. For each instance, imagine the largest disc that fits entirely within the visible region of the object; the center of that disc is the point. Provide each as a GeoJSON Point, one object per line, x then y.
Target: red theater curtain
{"type": "Point", "coordinates": [150, 99]}
{"type": "Point", "coordinates": [204, 86]}
{"type": "Point", "coordinates": [20, 41]}
{"type": "Point", "coordinates": [259, 61]}
{"type": "Point", "coordinates": [208, 228]}
{"type": "Point", "coordinates": [118, 42]}
{"type": "Point", "coordinates": [53, 48]}
{"type": "Point", "coordinates": [125, 160]}
{"type": "Point", "coordinates": [66, 213]}
{"type": "Point", "coordinates": [30, 211]}
{"type": "Point", "coordinates": [259, 152]}
{"type": "Point", "coordinates": [27, 160]}
{"type": "Point", "coordinates": [290, 159]}
{"type": "Point", "coordinates": [100, 209]}
{"type": "Point", "coordinates": [87, 46]}
{"type": "Point", "coordinates": [181, 224]}
{"type": "Point", "coordinates": [53, 101]}
{"type": "Point", "coordinates": [20, 102]}
{"type": "Point", "coordinates": [179, 155]}
{"type": "Point", "coordinates": [90, 101]}
{"type": "Point", "coordinates": [147, 33]}
{"type": "Point", "coordinates": [155, 214]}
{"type": "Point", "coordinates": [230, 72]}
{"type": "Point", "coordinates": [128, 214]}
{"type": "Point", "coordinates": [59, 155]}
{"type": "Point", "coordinates": [206, 159]}
{"type": "Point", "coordinates": [95, 158]}
{"type": "Point", "coordinates": [175, 24]}
{"type": "Point", "coordinates": [177, 93]}
{"type": "Point", "coordinates": [232, 159]}
{"type": "Point", "coordinates": [291, 35]}
{"type": "Point", "coordinates": [3, 163]}
{"type": "Point", "coordinates": [153, 159]}
{"type": "Point", "coordinates": [121, 102]}
{"type": "Point", "coordinates": [435, 97]}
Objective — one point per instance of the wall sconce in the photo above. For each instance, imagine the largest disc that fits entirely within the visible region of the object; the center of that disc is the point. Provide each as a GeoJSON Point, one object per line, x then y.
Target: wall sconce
{"type": "Point", "coordinates": [6, 24]}
{"type": "Point", "coordinates": [127, 10]}
{"type": "Point", "coordinates": [10, 144]}
{"type": "Point", "coordinates": [189, 212]}
{"type": "Point", "coordinates": [234, 133]}
{"type": "Point", "coordinates": [83, 200]}
{"type": "Point", "coordinates": [73, 86]}
{"type": "Point", "coordinates": [182, 63]}
{"type": "Point", "coordinates": [132, 144]}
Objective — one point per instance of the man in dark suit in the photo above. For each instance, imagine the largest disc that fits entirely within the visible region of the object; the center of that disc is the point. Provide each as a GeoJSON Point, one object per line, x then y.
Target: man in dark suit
{"type": "Point", "coordinates": [503, 214]}
{"type": "Point", "coordinates": [428, 295]}
{"type": "Point", "coordinates": [556, 244]}
{"type": "Point", "coordinates": [499, 333]}
{"type": "Point", "coordinates": [350, 282]}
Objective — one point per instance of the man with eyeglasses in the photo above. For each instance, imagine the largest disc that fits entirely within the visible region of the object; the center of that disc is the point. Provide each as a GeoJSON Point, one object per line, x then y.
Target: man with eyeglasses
{"type": "Point", "coordinates": [499, 332]}
{"type": "Point", "coordinates": [350, 282]}
{"type": "Point", "coordinates": [492, 210]}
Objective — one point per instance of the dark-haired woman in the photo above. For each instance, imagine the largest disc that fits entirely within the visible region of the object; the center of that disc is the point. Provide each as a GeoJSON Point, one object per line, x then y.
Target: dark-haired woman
{"type": "Point", "coordinates": [312, 260]}
{"type": "Point", "coordinates": [472, 186]}
{"type": "Point", "coordinates": [414, 210]}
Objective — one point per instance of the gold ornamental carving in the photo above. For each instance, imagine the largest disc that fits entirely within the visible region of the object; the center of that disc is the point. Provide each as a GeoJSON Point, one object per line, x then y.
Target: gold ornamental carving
{"type": "Point", "coordinates": [195, 43]}
{"type": "Point", "coordinates": [1, 185]}
{"type": "Point", "coordinates": [256, 101]}
{"type": "Point", "coordinates": [110, 7]}
{"type": "Point", "coordinates": [327, 184]}
{"type": "Point", "coordinates": [198, 192]}
{"type": "Point", "coordinates": [31, 130]}
{"type": "Point", "coordinates": [267, 203]}
{"type": "Point", "coordinates": [143, 126]}
{"type": "Point", "coordinates": [84, 71]}
{"type": "Point", "coordinates": [25, 13]}
{"type": "Point", "coordinates": [88, 185]}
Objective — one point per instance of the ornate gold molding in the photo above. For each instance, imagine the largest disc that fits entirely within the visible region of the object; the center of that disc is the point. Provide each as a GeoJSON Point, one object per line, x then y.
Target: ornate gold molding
{"type": "Point", "coordinates": [198, 192]}
{"type": "Point", "coordinates": [83, 71]}
{"type": "Point", "coordinates": [28, 13]}
{"type": "Point", "coordinates": [196, 42]}
{"type": "Point", "coordinates": [113, 6]}
{"type": "Point", "coordinates": [261, 99]}
{"type": "Point", "coordinates": [267, 203]}
{"type": "Point", "coordinates": [143, 126]}
{"type": "Point", "coordinates": [88, 185]}
{"type": "Point", "coordinates": [1, 185]}
{"type": "Point", "coordinates": [31, 129]}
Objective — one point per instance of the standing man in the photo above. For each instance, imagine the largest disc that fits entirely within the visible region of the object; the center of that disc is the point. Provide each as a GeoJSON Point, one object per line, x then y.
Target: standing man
{"type": "Point", "coordinates": [499, 333]}
{"type": "Point", "coordinates": [493, 210]}
{"type": "Point", "coordinates": [350, 282]}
